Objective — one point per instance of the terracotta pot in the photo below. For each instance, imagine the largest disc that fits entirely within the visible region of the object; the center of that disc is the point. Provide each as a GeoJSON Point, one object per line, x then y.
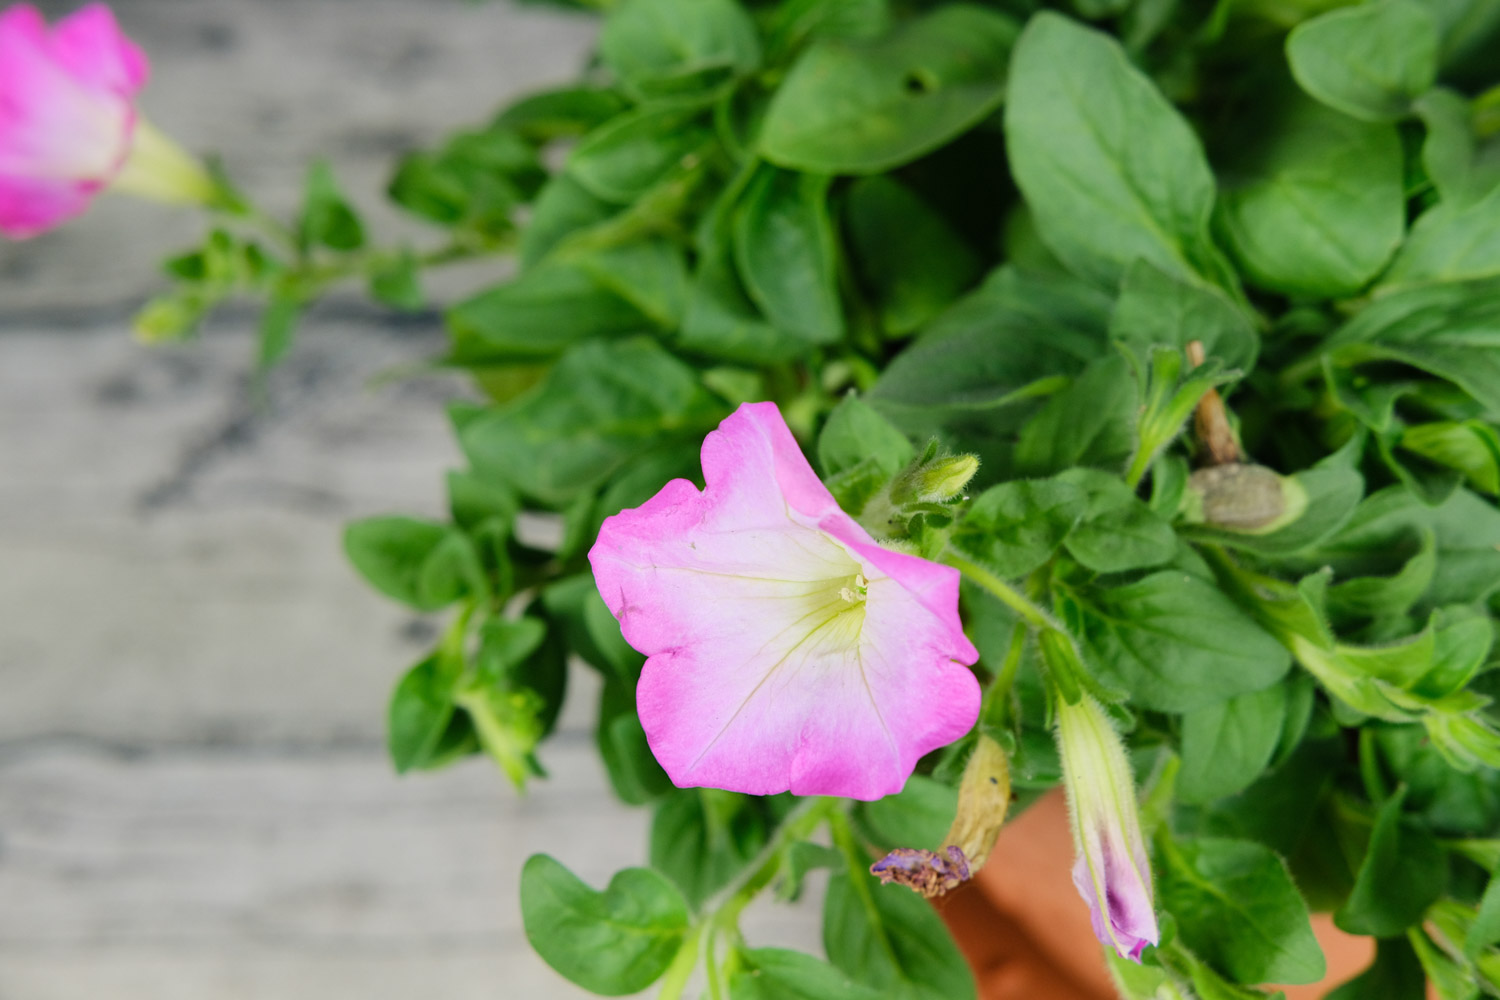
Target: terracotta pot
{"type": "Point", "coordinates": [1026, 931]}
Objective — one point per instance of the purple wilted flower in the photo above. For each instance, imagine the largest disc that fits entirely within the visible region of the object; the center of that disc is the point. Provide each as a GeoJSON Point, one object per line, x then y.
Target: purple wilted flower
{"type": "Point", "coordinates": [931, 873]}
{"type": "Point", "coordinates": [786, 649]}
{"type": "Point", "coordinates": [983, 801]}
{"type": "Point", "coordinates": [1112, 872]}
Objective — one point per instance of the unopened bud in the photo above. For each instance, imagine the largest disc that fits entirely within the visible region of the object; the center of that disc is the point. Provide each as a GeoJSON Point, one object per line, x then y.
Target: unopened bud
{"type": "Point", "coordinates": [935, 481]}
{"type": "Point", "coordinates": [1247, 498]}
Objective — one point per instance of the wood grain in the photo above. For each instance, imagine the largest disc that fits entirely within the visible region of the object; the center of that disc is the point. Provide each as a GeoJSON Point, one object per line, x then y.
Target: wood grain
{"type": "Point", "coordinates": [194, 798]}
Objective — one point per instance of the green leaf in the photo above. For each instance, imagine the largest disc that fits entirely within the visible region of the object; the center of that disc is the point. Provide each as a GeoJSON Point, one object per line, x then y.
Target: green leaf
{"type": "Point", "coordinates": [860, 452]}
{"type": "Point", "coordinates": [391, 553]}
{"type": "Point", "coordinates": [917, 816]}
{"type": "Point", "coordinates": [613, 942]}
{"type": "Point", "coordinates": [1452, 241]}
{"type": "Point", "coordinates": [450, 570]}
{"type": "Point", "coordinates": [1015, 329]}
{"type": "Point", "coordinates": [1175, 642]}
{"type": "Point", "coordinates": [1485, 930]}
{"type": "Point", "coordinates": [1470, 446]}
{"type": "Point", "coordinates": [1156, 309]}
{"type": "Point", "coordinates": [1312, 202]}
{"type": "Point", "coordinates": [398, 283]}
{"type": "Point", "coordinates": [1451, 330]}
{"type": "Point", "coordinates": [554, 114]}
{"type": "Point", "coordinates": [787, 255]}
{"type": "Point", "coordinates": [722, 323]}
{"type": "Point", "coordinates": [1117, 531]}
{"type": "Point", "coordinates": [1015, 527]}
{"type": "Point", "coordinates": [420, 732]}
{"type": "Point", "coordinates": [663, 47]}
{"type": "Point", "coordinates": [327, 219]}
{"type": "Point", "coordinates": [850, 107]}
{"type": "Point", "coordinates": [1370, 61]}
{"type": "Point", "coordinates": [544, 670]}
{"type": "Point", "coordinates": [474, 502]}
{"type": "Point", "coordinates": [1404, 872]}
{"type": "Point", "coordinates": [781, 974]}
{"type": "Point", "coordinates": [1461, 648]}
{"type": "Point", "coordinates": [1089, 423]}
{"type": "Point", "coordinates": [602, 405]}
{"type": "Point", "coordinates": [889, 938]}
{"type": "Point", "coordinates": [539, 315]}
{"type": "Point", "coordinates": [1450, 980]}
{"type": "Point", "coordinates": [1226, 746]}
{"type": "Point", "coordinates": [475, 181]}
{"type": "Point", "coordinates": [980, 369]}
{"type": "Point", "coordinates": [632, 769]}
{"type": "Point", "coordinates": [1394, 975]}
{"type": "Point", "coordinates": [563, 207]}
{"type": "Point", "coordinates": [798, 21]}
{"type": "Point", "coordinates": [856, 433]}
{"type": "Point", "coordinates": [649, 274]}
{"type": "Point", "coordinates": [910, 261]}
{"type": "Point", "coordinates": [1109, 168]}
{"type": "Point", "coordinates": [1448, 150]}
{"type": "Point", "coordinates": [624, 158]}
{"type": "Point", "coordinates": [1237, 909]}
{"type": "Point", "coordinates": [702, 837]}
{"type": "Point", "coordinates": [1381, 596]}
{"type": "Point", "coordinates": [278, 328]}
{"type": "Point", "coordinates": [505, 644]}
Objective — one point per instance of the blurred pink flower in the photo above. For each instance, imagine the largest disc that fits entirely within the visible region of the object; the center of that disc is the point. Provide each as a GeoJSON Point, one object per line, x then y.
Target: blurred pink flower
{"type": "Point", "coordinates": [68, 125]}
{"type": "Point", "coordinates": [786, 649]}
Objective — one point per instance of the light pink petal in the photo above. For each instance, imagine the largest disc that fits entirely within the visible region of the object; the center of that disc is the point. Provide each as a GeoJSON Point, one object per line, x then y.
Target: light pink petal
{"type": "Point", "coordinates": [1125, 919]}
{"type": "Point", "coordinates": [932, 584]}
{"type": "Point", "coordinates": [764, 672]}
{"type": "Point", "coordinates": [756, 437]}
{"type": "Point", "coordinates": [54, 127]}
{"type": "Point", "coordinates": [29, 206]}
{"type": "Point", "coordinates": [90, 46]}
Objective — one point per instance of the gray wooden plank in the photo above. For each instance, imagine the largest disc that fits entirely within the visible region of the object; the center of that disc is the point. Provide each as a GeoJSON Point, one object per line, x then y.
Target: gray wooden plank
{"type": "Point", "coordinates": [173, 570]}
{"type": "Point", "coordinates": [194, 802]}
{"type": "Point", "coordinates": [223, 875]}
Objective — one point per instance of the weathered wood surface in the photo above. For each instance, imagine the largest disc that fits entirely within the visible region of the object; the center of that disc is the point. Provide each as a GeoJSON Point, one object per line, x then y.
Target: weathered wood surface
{"type": "Point", "coordinates": [194, 798]}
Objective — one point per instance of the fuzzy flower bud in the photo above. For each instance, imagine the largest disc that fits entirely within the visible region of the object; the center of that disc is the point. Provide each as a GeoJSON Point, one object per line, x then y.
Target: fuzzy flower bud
{"type": "Point", "coordinates": [935, 481]}
{"type": "Point", "coordinates": [1112, 872]}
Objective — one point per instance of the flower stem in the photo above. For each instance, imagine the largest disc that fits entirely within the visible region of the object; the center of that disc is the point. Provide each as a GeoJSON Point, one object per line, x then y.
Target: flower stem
{"type": "Point", "coordinates": [1002, 591]}
{"type": "Point", "coordinates": [1139, 464]}
{"type": "Point", "coordinates": [681, 969]}
{"type": "Point", "coordinates": [997, 699]}
{"type": "Point", "coordinates": [723, 911]}
{"type": "Point", "coordinates": [859, 881]}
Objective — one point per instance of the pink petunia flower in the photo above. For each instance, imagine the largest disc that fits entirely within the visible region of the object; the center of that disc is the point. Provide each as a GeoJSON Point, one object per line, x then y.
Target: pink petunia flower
{"type": "Point", "coordinates": [68, 124]}
{"type": "Point", "coordinates": [786, 649]}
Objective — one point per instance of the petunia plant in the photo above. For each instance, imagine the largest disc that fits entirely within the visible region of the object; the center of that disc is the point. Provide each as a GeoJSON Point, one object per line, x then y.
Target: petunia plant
{"type": "Point", "coordinates": [907, 408]}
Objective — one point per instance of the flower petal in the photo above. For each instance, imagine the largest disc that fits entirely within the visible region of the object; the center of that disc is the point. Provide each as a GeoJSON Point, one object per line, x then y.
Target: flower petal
{"type": "Point", "coordinates": [90, 46]}
{"type": "Point", "coordinates": [52, 125]}
{"type": "Point", "coordinates": [29, 206]}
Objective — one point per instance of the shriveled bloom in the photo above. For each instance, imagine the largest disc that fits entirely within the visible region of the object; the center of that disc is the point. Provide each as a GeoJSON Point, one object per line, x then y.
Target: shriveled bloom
{"type": "Point", "coordinates": [786, 649]}
{"type": "Point", "coordinates": [1112, 872]}
{"type": "Point", "coordinates": [68, 124]}
{"type": "Point", "coordinates": [983, 801]}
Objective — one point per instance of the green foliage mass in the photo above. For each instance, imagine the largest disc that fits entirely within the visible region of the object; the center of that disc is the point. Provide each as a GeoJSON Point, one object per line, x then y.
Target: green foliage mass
{"type": "Point", "coordinates": [1046, 235]}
